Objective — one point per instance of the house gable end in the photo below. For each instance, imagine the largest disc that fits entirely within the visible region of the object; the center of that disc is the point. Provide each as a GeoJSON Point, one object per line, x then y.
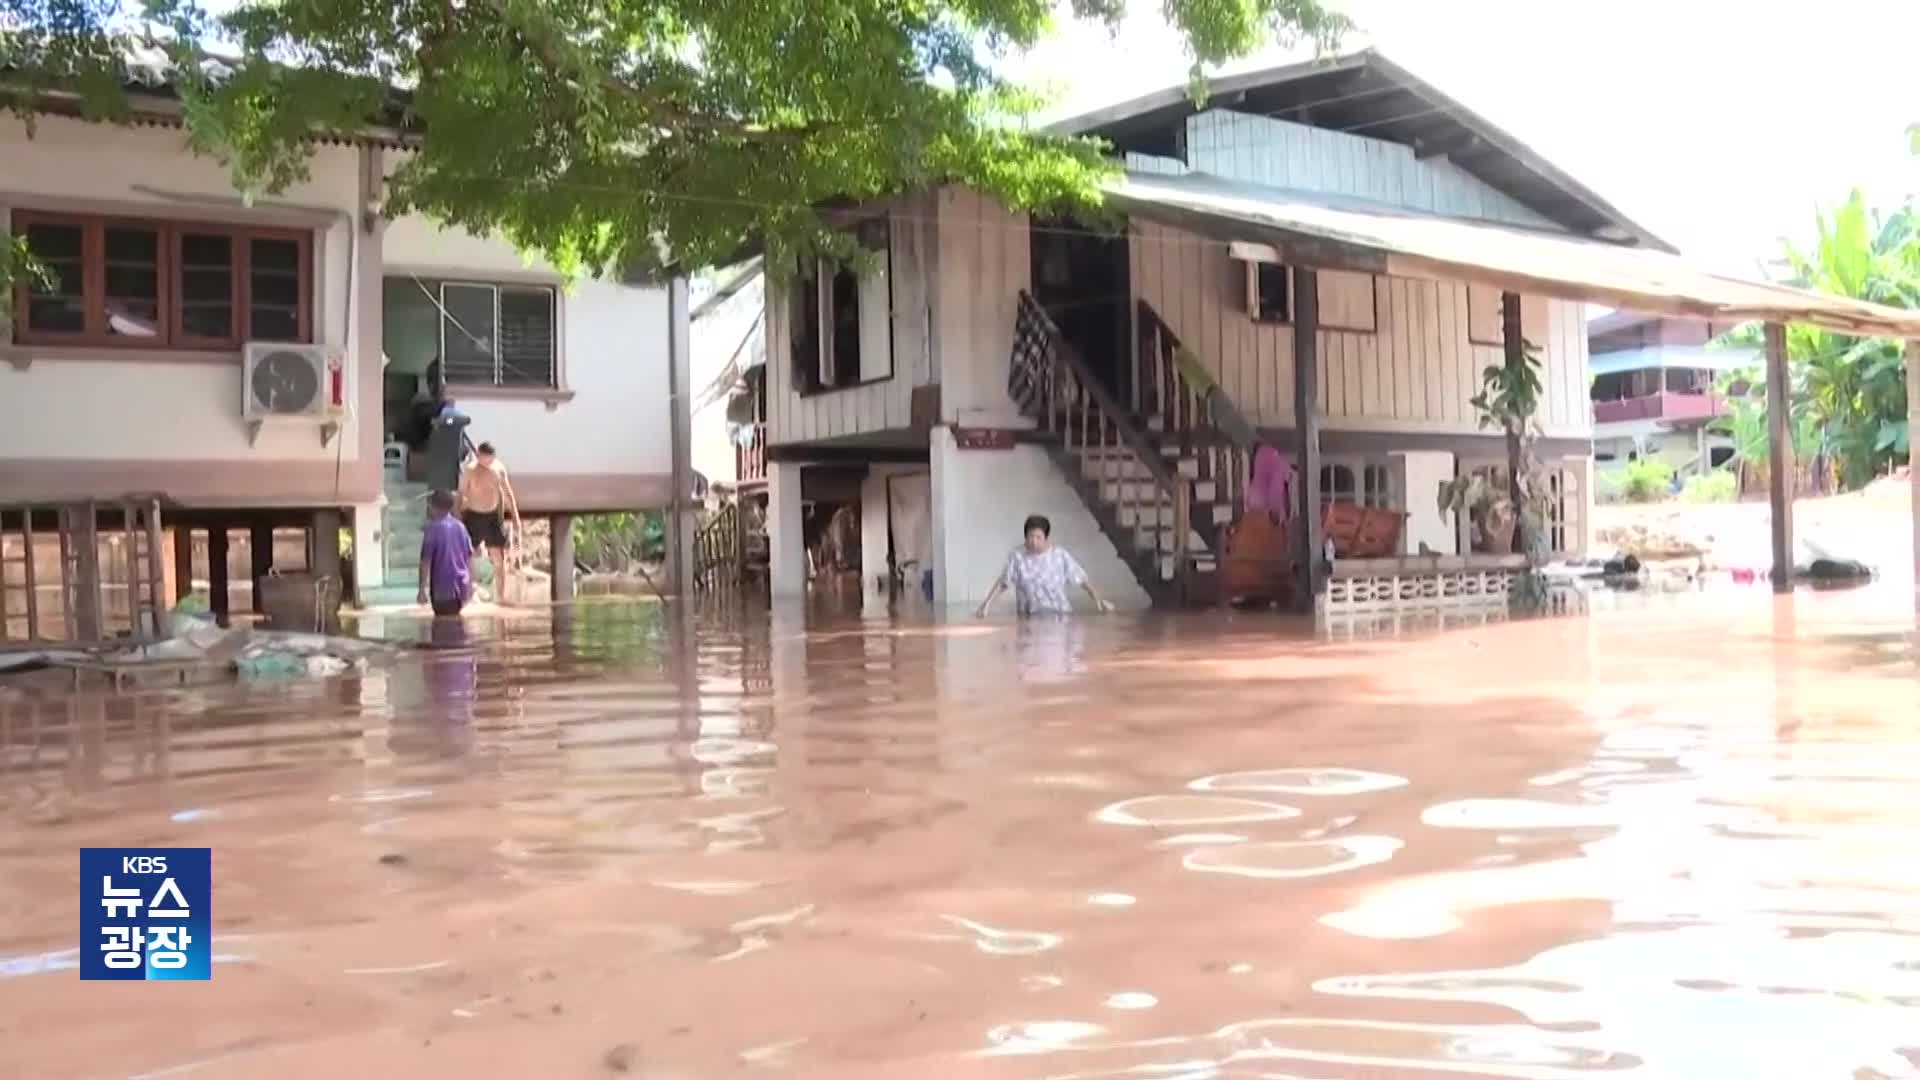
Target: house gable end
{"type": "Point", "coordinates": [1282, 154]}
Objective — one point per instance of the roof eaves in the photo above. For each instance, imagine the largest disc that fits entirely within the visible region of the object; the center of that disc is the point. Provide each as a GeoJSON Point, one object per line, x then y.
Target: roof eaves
{"type": "Point", "coordinates": [1224, 89]}
{"type": "Point", "coordinates": [152, 106]}
{"type": "Point", "coordinates": [1217, 88]}
{"type": "Point", "coordinates": [1518, 150]}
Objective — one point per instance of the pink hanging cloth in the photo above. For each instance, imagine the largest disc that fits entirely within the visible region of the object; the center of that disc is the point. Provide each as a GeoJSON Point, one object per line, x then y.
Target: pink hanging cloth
{"type": "Point", "coordinates": [1268, 489]}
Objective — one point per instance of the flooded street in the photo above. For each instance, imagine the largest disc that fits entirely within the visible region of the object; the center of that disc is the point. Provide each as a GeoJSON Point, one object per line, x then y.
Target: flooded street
{"type": "Point", "coordinates": [1673, 841]}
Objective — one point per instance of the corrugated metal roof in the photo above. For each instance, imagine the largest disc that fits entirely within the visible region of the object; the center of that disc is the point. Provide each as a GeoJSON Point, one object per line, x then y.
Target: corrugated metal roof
{"type": "Point", "coordinates": [151, 80]}
{"type": "Point", "coordinates": [1348, 234]}
{"type": "Point", "coordinates": [1366, 92]}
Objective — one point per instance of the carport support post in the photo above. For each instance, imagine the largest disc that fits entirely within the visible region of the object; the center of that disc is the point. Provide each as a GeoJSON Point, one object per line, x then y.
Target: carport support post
{"type": "Point", "coordinates": [1780, 457]}
{"type": "Point", "coordinates": [1310, 537]}
{"type": "Point", "coordinates": [1913, 455]}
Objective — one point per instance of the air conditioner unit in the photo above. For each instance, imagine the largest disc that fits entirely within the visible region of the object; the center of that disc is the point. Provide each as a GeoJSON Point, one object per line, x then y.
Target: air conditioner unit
{"type": "Point", "coordinates": [282, 382]}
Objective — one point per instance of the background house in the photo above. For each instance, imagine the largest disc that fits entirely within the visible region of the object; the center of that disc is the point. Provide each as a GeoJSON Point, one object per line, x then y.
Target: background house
{"type": "Point", "coordinates": [130, 372]}
{"type": "Point", "coordinates": [1655, 391]}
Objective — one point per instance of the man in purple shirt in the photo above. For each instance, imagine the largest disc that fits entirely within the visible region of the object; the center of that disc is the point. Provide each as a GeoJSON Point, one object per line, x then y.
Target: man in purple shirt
{"type": "Point", "coordinates": [446, 558]}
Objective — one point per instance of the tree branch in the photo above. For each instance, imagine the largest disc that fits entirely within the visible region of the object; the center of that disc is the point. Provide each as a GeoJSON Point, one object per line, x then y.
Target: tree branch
{"type": "Point", "coordinates": [670, 113]}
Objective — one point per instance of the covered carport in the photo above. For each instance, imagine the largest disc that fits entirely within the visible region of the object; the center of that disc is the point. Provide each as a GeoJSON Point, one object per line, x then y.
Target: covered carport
{"type": "Point", "coordinates": [1314, 231]}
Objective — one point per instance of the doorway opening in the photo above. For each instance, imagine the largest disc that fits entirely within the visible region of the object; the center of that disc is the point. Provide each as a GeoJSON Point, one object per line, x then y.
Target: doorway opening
{"type": "Point", "coordinates": [1082, 280]}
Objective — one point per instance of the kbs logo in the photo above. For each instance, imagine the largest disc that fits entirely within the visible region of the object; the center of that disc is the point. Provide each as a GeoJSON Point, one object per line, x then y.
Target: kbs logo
{"type": "Point", "coordinates": [145, 913]}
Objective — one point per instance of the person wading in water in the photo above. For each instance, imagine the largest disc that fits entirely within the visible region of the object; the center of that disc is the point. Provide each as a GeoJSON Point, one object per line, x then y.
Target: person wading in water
{"type": "Point", "coordinates": [446, 553]}
{"type": "Point", "coordinates": [486, 497]}
{"type": "Point", "coordinates": [1040, 574]}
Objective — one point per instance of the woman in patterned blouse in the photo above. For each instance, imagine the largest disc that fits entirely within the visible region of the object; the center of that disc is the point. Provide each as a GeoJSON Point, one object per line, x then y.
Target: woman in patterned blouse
{"type": "Point", "coordinates": [1040, 575]}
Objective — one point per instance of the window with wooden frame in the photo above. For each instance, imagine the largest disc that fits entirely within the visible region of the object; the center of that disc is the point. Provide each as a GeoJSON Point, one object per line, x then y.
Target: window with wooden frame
{"type": "Point", "coordinates": [1269, 292]}
{"type": "Point", "coordinates": [841, 317]}
{"type": "Point", "coordinates": [133, 283]}
{"type": "Point", "coordinates": [1358, 481]}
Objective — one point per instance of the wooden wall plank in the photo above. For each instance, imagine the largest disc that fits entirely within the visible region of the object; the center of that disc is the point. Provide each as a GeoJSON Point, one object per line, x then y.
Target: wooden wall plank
{"type": "Point", "coordinates": [1394, 344]}
{"type": "Point", "coordinates": [1420, 346]}
{"type": "Point", "coordinates": [1450, 332]}
{"type": "Point", "coordinates": [1418, 369]}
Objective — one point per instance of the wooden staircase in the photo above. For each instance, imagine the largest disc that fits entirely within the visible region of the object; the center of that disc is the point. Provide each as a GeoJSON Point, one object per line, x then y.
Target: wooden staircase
{"type": "Point", "coordinates": [1163, 483]}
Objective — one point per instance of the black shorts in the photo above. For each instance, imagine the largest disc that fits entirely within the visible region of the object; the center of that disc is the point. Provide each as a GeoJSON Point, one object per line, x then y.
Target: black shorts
{"type": "Point", "coordinates": [489, 529]}
{"type": "Point", "coordinates": [448, 605]}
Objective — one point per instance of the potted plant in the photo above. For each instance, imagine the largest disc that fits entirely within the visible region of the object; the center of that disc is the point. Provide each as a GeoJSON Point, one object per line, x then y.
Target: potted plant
{"type": "Point", "coordinates": [1508, 400]}
{"type": "Point", "coordinates": [1487, 506]}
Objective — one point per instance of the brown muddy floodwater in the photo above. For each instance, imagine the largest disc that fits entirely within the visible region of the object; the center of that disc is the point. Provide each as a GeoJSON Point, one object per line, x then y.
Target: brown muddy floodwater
{"type": "Point", "coordinates": [1677, 841]}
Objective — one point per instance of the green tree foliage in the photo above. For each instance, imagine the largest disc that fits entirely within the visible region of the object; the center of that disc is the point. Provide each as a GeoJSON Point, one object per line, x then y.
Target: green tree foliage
{"type": "Point", "coordinates": [1853, 390]}
{"type": "Point", "coordinates": [628, 134]}
{"type": "Point", "coordinates": [1745, 422]}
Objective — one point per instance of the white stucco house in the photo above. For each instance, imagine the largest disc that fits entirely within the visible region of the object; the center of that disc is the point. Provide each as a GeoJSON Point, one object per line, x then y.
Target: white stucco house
{"type": "Point", "coordinates": [253, 363]}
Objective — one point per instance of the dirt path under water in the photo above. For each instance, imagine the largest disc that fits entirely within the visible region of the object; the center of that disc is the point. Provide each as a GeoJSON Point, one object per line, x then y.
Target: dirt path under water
{"type": "Point", "coordinates": [1672, 842]}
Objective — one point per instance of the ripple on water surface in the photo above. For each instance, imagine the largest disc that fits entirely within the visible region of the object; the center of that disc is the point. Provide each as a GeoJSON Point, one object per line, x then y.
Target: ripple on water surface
{"type": "Point", "coordinates": [1182, 811]}
{"type": "Point", "coordinates": [1306, 781]}
{"type": "Point", "coordinates": [1293, 858]}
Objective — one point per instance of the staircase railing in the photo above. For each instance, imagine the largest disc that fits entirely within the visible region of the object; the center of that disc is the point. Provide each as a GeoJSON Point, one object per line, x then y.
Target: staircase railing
{"type": "Point", "coordinates": [1193, 408]}
{"type": "Point", "coordinates": [1055, 387]}
{"type": "Point", "coordinates": [719, 549]}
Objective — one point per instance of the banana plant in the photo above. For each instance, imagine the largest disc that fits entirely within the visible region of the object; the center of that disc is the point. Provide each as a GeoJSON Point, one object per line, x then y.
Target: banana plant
{"type": "Point", "coordinates": [1746, 422]}
{"type": "Point", "coordinates": [1853, 388]}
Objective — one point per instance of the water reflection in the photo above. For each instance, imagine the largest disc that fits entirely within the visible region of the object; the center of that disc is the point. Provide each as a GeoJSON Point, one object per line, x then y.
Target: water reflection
{"type": "Point", "coordinates": [1662, 842]}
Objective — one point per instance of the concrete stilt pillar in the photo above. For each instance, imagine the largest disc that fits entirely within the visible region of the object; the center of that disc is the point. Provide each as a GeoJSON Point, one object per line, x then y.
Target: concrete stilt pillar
{"type": "Point", "coordinates": [786, 543]}
{"type": "Point", "coordinates": [260, 552]}
{"type": "Point", "coordinates": [560, 528]}
{"type": "Point", "coordinates": [325, 543]}
{"type": "Point", "coordinates": [324, 551]}
{"type": "Point", "coordinates": [218, 601]}
{"type": "Point", "coordinates": [369, 547]}
{"type": "Point", "coordinates": [875, 571]}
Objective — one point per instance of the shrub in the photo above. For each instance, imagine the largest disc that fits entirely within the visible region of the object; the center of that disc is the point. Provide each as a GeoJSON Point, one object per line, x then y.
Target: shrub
{"type": "Point", "coordinates": [1607, 486]}
{"type": "Point", "coordinates": [1646, 480]}
{"type": "Point", "coordinates": [1718, 486]}
{"type": "Point", "coordinates": [614, 541]}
